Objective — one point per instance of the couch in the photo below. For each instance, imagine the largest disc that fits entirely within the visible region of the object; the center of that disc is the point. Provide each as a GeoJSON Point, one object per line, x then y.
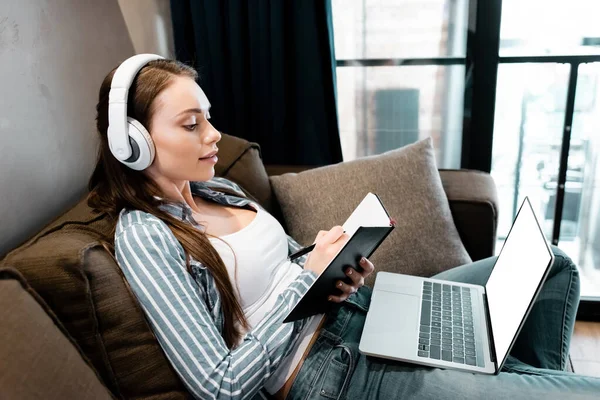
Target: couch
{"type": "Point", "coordinates": [71, 327]}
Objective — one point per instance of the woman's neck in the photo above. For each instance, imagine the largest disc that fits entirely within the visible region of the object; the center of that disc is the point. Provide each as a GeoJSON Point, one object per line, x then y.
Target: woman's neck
{"type": "Point", "coordinates": [179, 192]}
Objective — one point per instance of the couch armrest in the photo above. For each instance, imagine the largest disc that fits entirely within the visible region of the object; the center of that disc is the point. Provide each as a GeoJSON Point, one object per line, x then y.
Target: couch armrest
{"type": "Point", "coordinates": [474, 204]}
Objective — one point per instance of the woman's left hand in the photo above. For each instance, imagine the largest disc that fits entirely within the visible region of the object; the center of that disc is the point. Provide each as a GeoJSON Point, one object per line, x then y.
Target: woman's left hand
{"type": "Point", "coordinates": [358, 280]}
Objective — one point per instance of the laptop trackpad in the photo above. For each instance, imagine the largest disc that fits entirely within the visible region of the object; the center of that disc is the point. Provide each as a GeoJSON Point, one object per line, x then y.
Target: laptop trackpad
{"type": "Point", "coordinates": [392, 324]}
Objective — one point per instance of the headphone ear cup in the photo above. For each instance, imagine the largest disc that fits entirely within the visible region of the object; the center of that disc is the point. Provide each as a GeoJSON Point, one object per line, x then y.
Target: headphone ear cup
{"type": "Point", "coordinates": [143, 143]}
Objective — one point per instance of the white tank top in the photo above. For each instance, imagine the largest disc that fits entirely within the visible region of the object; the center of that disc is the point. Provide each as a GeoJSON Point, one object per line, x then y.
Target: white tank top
{"type": "Point", "coordinates": [263, 272]}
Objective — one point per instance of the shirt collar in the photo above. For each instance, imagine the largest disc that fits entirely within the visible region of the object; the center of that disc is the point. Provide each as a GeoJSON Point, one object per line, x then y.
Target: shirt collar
{"type": "Point", "coordinates": [183, 211]}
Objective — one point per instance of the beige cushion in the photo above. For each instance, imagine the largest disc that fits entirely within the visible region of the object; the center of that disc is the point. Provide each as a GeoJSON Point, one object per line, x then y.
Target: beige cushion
{"type": "Point", "coordinates": [38, 359]}
{"type": "Point", "coordinates": [425, 240]}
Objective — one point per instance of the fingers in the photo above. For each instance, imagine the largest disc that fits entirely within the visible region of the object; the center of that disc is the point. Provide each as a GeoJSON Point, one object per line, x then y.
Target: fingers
{"type": "Point", "coordinates": [330, 236]}
{"type": "Point", "coordinates": [332, 240]}
{"type": "Point", "coordinates": [337, 299]}
{"type": "Point", "coordinates": [320, 235]}
{"type": "Point", "coordinates": [357, 278]}
{"type": "Point", "coordinates": [346, 289]}
{"type": "Point", "coordinates": [334, 234]}
{"type": "Point", "coordinates": [367, 267]}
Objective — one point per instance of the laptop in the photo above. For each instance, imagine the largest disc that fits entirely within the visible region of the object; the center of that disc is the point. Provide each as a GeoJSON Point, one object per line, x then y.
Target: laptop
{"type": "Point", "coordinates": [460, 326]}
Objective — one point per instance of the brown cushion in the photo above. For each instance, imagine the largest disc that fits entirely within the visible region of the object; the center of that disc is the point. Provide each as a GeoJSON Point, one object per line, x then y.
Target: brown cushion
{"type": "Point", "coordinates": [81, 283]}
{"type": "Point", "coordinates": [241, 162]}
{"type": "Point", "coordinates": [425, 240]}
{"type": "Point", "coordinates": [38, 359]}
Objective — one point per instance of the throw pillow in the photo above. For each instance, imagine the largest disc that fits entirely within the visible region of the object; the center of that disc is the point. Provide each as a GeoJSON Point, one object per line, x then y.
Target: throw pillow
{"type": "Point", "coordinates": [425, 240]}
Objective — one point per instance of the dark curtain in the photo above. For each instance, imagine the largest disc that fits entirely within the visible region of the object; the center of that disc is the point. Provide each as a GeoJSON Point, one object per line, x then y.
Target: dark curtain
{"type": "Point", "coordinates": [268, 69]}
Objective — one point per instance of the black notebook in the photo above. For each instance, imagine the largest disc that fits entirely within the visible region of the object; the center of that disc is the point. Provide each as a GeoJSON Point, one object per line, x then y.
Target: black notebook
{"type": "Point", "coordinates": [368, 226]}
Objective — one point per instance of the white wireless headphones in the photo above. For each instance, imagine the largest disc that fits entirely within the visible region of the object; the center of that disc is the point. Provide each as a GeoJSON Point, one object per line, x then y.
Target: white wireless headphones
{"type": "Point", "coordinates": [128, 140]}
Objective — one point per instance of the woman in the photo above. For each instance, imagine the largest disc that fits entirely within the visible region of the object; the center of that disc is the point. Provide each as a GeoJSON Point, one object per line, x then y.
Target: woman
{"type": "Point", "coordinates": [209, 267]}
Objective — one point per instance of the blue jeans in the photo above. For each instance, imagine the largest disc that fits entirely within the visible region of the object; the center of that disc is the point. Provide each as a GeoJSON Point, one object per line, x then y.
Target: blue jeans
{"type": "Point", "coordinates": [335, 369]}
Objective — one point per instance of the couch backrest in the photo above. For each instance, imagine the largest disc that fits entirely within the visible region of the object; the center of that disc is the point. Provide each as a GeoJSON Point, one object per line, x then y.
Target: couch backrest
{"type": "Point", "coordinates": [67, 265]}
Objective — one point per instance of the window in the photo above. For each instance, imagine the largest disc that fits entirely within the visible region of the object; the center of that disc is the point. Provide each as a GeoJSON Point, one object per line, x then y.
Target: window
{"type": "Point", "coordinates": [383, 105]}
{"type": "Point", "coordinates": [564, 28]}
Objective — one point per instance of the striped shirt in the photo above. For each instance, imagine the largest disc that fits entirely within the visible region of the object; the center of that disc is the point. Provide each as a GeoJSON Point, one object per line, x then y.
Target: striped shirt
{"type": "Point", "coordinates": [184, 309]}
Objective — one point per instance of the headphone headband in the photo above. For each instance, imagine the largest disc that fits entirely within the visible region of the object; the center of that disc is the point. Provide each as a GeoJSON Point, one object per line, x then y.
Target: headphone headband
{"type": "Point", "coordinates": [118, 127]}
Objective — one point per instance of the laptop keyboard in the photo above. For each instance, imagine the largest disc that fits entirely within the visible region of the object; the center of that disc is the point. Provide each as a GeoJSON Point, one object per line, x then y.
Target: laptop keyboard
{"type": "Point", "coordinates": [446, 330]}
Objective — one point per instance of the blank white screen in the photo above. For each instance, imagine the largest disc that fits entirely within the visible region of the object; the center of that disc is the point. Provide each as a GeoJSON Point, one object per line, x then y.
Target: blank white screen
{"type": "Point", "coordinates": [516, 276]}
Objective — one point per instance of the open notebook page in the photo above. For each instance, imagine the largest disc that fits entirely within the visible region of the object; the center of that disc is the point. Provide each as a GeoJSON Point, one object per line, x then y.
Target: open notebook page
{"type": "Point", "coordinates": [370, 212]}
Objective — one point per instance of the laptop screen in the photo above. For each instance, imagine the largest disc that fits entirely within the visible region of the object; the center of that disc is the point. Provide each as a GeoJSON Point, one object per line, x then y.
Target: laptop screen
{"type": "Point", "coordinates": [517, 274]}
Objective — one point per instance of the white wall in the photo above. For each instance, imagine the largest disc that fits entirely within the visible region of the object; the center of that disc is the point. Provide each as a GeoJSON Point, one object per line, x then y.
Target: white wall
{"type": "Point", "coordinates": [53, 57]}
{"type": "Point", "coordinates": [149, 25]}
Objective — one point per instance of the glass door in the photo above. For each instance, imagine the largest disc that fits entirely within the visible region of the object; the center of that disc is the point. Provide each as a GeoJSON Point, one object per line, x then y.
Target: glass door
{"type": "Point", "coordinates": [546, 140]}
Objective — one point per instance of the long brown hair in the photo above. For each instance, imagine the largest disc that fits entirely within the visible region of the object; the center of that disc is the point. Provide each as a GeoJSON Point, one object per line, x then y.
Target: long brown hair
{"type": "Point", "coordinates": [113, 186]}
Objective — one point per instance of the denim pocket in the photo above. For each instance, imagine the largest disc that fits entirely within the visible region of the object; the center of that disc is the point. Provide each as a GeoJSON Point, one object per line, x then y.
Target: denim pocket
{"type": "Point", "coordinates": [337, 372]}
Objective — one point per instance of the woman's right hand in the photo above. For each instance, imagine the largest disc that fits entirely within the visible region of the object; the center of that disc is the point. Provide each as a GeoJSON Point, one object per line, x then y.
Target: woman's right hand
{"type": "Point", "coordinates": [327, 245]}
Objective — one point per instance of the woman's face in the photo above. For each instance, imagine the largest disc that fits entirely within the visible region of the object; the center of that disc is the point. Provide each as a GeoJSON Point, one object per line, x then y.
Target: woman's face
{"type": "Point", "coordinates": [182, 135]}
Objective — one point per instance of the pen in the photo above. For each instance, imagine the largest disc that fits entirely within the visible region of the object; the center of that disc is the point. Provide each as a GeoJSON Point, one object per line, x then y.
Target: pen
{"type": "Point", "coordinates": [302, 252]}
